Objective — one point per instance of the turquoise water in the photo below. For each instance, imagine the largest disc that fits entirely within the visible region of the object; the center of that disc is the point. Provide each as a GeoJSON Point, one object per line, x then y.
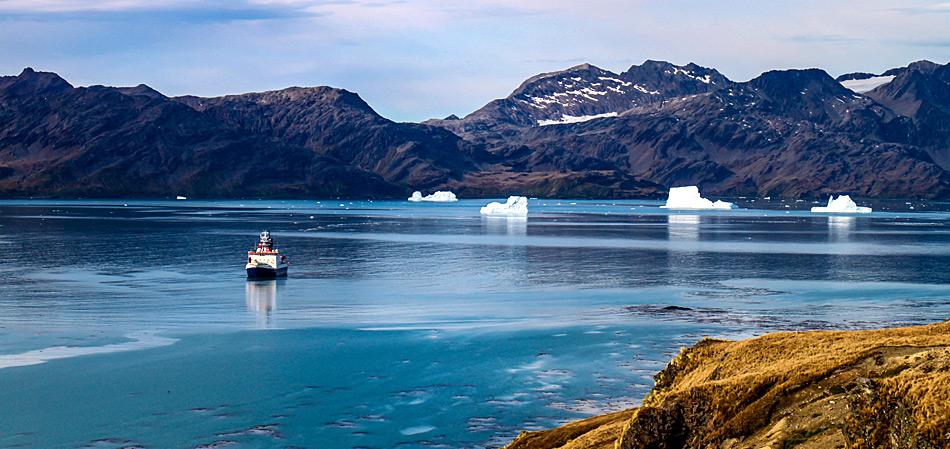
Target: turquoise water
{"type": "Point", "coordinates": [130, 323]}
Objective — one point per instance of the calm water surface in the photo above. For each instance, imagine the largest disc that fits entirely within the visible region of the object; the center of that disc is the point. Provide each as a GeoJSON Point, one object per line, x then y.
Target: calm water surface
{"type": "Point", "coordinates": [130, 323]}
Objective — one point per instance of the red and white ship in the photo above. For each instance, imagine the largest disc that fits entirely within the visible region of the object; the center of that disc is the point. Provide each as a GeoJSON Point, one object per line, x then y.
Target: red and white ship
{"type": "Point", "coordinates": [266, 262]}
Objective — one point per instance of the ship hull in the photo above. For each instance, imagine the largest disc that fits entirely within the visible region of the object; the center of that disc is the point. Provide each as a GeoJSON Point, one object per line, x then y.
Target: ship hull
{"type": "Point", "coordinates": [266, 272]}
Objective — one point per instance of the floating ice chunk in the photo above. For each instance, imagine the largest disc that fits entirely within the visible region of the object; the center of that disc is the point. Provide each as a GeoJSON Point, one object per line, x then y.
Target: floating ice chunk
{"type": "Point", "coordinates": [841, 205]}
{"type": "Point", "coordinates": [437, 197]}
{"type": "Point", "coordinates": [688, 198]}
{"type": "Point", "coordinates": [179, 197]}
{"type": "Point", "coordinates": [140, 340]}
{"type": "Point", "coordinates": [516, 206]}
{"type": "Point", "coordinates": [416, 430]}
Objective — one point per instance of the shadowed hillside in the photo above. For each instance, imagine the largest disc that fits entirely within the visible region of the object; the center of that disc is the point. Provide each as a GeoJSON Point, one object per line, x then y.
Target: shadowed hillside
{"type": "Point", "coordinates": [583, 132]}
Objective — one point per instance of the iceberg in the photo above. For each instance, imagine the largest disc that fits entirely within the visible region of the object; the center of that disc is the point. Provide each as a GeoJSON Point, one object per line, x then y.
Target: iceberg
{"type": "Point", "coordinates": [688, 198]}
{"type": "Point", "coordinates": [437, 197]}
{"type": "Point", "coordinates": [841, 205]}
{"type": "Point", "coordinates": [516, 206]}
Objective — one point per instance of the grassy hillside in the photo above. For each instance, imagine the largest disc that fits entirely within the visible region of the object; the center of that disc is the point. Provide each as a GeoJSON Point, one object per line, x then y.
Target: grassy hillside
{"type": "Point", "coordinates": [886, 388]}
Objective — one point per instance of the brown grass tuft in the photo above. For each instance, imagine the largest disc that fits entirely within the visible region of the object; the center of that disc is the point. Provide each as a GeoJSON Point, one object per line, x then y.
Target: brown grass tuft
{"type": "Point", "coordinates": [857, 389]}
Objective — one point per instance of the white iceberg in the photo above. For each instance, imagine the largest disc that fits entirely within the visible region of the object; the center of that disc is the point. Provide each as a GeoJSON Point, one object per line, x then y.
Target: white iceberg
{"type": "Point", "coordinates": [179, 197]}
{"type": "Point", "coordinates": [516, 206]}
{"type": "Point", "coordinates": [841, 205]}
{"type": "Point", "coordinates": [688, 198]}
{"type": "Point", "coordinates": [437, 197]}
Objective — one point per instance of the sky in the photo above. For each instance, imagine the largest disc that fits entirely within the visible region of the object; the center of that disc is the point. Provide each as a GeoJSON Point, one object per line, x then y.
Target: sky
{"type": "Point", "coordinates": [418, 59]}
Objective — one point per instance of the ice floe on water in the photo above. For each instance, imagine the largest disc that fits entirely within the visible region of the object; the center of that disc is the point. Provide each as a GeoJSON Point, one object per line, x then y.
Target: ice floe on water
{"type": "Point", "coordinates": [841, 205]}
{"type": "Point", "coordinates": [437, 197]}
{"type": "Point", "coordinates": [416, 430]}
{"type": "Point", "coordinates": [516, 206]}
{"type": "Point", "coordinates": [688, 198]}
{"type": "Point", "coordinates": [139, 341]}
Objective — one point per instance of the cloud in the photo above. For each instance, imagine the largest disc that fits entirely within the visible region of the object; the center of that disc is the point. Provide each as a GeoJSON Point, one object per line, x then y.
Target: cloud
{"type": "Point", "coordinates": [827, 38]}
{"type": "Point", "coordinates": [59, 6]}
{"type": "Point", "coordinates": [926, 8]}
{"type": "Point", "coordinates": [415, 59]}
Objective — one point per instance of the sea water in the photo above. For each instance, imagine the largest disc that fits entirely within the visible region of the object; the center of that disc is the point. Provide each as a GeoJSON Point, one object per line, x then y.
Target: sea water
{"type": "Point", "coordinates": [130, 323]}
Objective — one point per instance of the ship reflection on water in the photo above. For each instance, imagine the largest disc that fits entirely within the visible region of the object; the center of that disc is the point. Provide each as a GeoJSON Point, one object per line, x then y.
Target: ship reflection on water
{"type": "Point", "coordinates": [261, 299]}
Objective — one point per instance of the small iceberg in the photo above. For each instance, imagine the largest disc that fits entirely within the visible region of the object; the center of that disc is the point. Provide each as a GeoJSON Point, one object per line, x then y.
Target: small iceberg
{"type": "Point", "coordinates": [139, 341]}
{"type": "Point", "coordinates": [179, 197]}
{"type": "Point", "coordinates": [841, 205]}
{"type": "Point", "coordinates": [437, 197]}
{"type": "Point", "coordinates": [516, 206]}
{"type": "Point", "coordinates": [688, 198]}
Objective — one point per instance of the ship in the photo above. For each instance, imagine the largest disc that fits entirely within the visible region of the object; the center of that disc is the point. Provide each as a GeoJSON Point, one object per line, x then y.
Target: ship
{"type": "Point", "coordinates": [265, 261]}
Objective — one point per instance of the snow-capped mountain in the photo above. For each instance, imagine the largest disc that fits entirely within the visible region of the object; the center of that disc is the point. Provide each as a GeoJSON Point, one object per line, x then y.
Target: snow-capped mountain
{"type": "Point", "coordinates": [585, 92]}
{"type": "Point", "coordinates": [581, 132]}
{"type": "Point", "coordinates": [790, 133]}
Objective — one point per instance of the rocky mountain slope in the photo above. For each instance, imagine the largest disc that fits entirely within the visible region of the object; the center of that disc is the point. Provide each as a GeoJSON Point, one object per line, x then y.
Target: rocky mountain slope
{"type": "Point", "coordinates": [790, 133]}
{"type": "Point", "coordinates": [59, 140]}
{"type": "Point", "coordinates": [922, 93]}
{"type": "Point", "coordinates": [338, 124]}
{"type": "Point", "coordinates": [818, 389]}
{"type": "Point", "coordinates": [582, 93]}
{"type": "Point", "coordinates": [98, 141]}
{"type": "Point", "coordinates": [581, 132]}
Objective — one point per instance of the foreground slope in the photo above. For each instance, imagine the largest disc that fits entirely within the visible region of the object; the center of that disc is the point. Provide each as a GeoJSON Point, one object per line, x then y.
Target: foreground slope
{"type": "Point", "coordinates": [817, 389]}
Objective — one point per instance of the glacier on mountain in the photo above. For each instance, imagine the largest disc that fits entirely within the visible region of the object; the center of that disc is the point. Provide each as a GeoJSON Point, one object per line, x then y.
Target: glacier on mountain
{"type": "Point", "coordinates": [867, 84]}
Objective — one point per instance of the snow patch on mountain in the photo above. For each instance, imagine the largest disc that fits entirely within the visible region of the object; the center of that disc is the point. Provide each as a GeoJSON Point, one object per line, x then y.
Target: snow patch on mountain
{"type": "Point", "coordinates": [615, 80]}
{"type": "Point", "coordinates": [703, 79]}
{"type": "Point", "coordinates": [644, 90]}
{"type": "Point", "coordinates": [867, 84]}
{"type": "Point", "coordinates": [565, 119]}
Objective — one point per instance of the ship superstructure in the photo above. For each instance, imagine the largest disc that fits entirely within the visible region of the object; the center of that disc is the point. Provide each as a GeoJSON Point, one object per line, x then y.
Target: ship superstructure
{"type": "Point", "coordinates": [265, 261]}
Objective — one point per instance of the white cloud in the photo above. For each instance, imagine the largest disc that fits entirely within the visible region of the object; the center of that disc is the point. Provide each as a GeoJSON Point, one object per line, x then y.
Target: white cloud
{"type": "Point", "coordinates": [415, 59]}
{"type": "Point", "coordinates": [57, 6]}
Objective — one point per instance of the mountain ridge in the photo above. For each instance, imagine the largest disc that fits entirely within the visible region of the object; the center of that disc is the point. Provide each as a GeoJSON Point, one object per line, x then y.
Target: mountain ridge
{"type": "Point", "coordinates": [581, 132]}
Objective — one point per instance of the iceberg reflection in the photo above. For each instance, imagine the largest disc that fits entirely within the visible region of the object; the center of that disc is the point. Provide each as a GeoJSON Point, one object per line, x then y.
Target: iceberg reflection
{"type": "Point", "coordinates": [839, 228]}
{"type": "Point", "coordinates": [683, 227]}
{"type": "Point", "coordinates": [515, 226]}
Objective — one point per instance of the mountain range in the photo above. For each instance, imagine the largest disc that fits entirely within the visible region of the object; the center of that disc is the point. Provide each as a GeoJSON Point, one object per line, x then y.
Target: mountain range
{"type": "Point", "coordinates": [579, 132]}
